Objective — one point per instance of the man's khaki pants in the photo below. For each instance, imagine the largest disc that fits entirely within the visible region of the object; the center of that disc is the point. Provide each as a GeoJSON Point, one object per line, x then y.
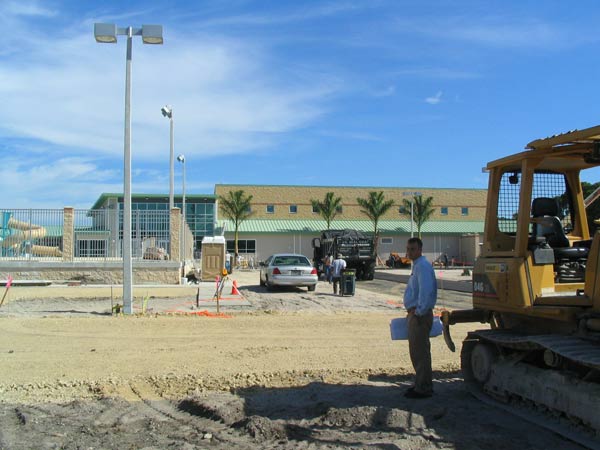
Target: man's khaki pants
{"type": "Point", "coordinates": [419, 328]}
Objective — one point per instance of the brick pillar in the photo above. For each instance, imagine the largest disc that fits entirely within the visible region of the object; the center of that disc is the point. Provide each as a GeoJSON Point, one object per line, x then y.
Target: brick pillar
{"type": "Point", "coordinates": [175, 235]}
{"type": "Point", "coordinates": [68, 234]}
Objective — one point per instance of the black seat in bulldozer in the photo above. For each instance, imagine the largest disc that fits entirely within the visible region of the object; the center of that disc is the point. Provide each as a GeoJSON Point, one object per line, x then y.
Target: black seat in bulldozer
{"type": "Point", "coordinates": [569, 262]}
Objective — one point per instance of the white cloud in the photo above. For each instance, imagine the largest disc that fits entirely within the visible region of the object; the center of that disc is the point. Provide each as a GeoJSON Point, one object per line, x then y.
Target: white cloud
{"type": "Point", "coordinates": [434, 100]}
{"type": "Point", "coordinates": [530, 33]}
{"type": "Point", "coordinates": [25, 8]}
{"type": "Point", "coordinates": [54, 184]}
{"type": "Point", "coordinates": [351, 135]}
{"type": "Point", "coordinates": [222, 93]}
{"type": "Point", "coordinates": [438, 72]}
{"type": "Point", "coordinates": [66, 96]}
{"type": "Point", "coordinates": [318, 11]}
{"type": "Point", "coordinates": [496, 31]}
{"type": "Point", "coordinates": [388, 91]}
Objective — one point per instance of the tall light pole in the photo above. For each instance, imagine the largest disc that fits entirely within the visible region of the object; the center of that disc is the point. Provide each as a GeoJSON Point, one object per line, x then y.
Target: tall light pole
{"type": "Point", "coordinates": [106, 33]}
{"type": "Point", "coordinates": [167, 111]}
{"type": "Point", "coordinates": [412, 199]}
{"type": "Point", "coordinates": [181, 159]}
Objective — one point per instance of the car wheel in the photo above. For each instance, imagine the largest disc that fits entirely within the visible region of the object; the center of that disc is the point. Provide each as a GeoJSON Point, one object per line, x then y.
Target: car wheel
{"type": "Point", "coordinates": [270, 287]}
{"type": "Point", "coordinates": [312, 288]}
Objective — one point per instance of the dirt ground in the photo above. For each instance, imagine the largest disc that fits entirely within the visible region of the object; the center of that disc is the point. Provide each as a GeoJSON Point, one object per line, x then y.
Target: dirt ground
{"type": "Point", "coordinates": [290, 370]}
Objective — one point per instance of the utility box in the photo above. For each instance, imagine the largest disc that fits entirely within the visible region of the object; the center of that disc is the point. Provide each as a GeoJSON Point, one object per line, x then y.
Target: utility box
{"type": "Point", "coordinates": [213, 257]}
{"type": "Point", "coordinates": [348, 282]}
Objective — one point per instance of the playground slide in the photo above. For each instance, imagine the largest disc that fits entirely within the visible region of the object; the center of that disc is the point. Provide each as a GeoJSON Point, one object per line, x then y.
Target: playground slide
{"type": "Point", "coordinates": [19, 232]}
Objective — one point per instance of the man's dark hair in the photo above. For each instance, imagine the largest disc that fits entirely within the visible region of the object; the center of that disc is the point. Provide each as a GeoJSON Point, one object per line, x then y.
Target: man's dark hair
{"type": "Point", "coordinates": [416, 240]}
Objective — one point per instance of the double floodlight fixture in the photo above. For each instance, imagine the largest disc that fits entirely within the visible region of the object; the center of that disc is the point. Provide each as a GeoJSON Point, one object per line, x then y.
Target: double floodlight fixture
{"type": "Point", "coordinates": [107, 33]}
{"type": "Point", "coordinates": [181, 158]}
{"type": "Point", "coordinates": [167, 111]}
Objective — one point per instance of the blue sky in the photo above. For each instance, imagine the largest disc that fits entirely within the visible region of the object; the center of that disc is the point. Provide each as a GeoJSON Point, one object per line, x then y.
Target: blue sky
{"type": "Point", "coordinates": [336, 93]}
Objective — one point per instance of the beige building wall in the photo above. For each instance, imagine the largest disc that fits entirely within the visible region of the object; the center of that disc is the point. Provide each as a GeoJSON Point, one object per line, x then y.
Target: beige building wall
{"type": "Point", "coordinates": [268, 244]}
{"type": "Point", "coordinates": [282, 197]}
{"type": "Point", "coordinates": [459, 247]}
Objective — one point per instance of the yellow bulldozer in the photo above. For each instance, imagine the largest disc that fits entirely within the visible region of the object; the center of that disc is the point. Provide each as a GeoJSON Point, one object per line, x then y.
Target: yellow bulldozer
{"type": "Point", "coordinates": [536, 283]}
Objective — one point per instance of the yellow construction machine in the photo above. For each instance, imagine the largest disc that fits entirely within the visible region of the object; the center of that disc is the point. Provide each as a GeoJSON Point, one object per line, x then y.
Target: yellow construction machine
{"type": "Point", "coordinates": [537, 283]}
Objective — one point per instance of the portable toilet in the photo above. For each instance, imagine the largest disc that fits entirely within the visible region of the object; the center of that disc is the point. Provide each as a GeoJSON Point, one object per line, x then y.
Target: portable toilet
{"type": "Point", "coordinates": [213, 257]}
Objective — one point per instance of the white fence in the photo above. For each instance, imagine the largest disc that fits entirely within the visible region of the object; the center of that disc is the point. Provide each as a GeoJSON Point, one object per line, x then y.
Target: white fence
{"type": "Point", "coordinates": [75, 235]}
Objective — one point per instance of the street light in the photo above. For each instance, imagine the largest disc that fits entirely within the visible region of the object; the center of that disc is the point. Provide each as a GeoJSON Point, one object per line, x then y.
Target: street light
{"type": "Point", "coordinates": [167, 111]}
{"type": "Point", "coordinates": [106, 33]}
{"type": "Point", "coordinates": [181, 159]}
{"type": "Point", "coordinates": [412, 199]}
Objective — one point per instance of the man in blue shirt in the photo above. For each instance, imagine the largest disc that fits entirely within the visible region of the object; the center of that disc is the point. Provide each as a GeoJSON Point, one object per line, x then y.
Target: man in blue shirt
{"type": "Point", "coordinates": [338, 265]}
{"type": "Point", "coordinates": [419, 299]}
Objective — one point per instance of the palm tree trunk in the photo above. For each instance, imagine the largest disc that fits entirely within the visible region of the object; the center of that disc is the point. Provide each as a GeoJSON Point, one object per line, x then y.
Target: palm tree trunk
{"type": "Point", "coordinates": [235, 243]}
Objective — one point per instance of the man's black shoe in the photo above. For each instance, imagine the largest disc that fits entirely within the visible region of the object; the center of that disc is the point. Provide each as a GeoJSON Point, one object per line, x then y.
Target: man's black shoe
{"type": "Point", "coordinates": [411, 393]}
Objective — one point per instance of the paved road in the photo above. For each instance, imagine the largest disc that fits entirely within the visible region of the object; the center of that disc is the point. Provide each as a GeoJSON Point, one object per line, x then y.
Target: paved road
{"type": "Point", "coordinates": [451, 285]}
{"type": "Point", "coordinates": [394, 288]}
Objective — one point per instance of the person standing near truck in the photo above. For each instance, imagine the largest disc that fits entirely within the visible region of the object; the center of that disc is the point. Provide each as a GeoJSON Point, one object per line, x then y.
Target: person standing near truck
{"type": "Point", "coordinates": [336, 273]}
{"type": "Point", "coordinates": [327, 261]}
{"type": "Point", "coordinates": [419, 300]}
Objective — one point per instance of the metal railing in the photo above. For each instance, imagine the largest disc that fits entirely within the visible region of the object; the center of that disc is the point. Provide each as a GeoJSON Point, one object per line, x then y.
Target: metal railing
{"type": "Point", "coordinates": [98, 234]}
{"type": "Point", "coordinates": [76, 235]}
{"type": "Point", "coordinates": [27, 234]}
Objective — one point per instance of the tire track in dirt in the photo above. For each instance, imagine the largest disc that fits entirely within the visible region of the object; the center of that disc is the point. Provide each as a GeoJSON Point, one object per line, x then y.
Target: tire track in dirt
{"type": "Point", "coordinates": [184, 422]}
{"type": "Point", "coordinates": [11, 426]}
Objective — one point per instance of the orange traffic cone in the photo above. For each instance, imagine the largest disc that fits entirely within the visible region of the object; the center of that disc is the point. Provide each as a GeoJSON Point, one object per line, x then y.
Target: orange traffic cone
{"type": "Point", "coordinates": [234, 289]}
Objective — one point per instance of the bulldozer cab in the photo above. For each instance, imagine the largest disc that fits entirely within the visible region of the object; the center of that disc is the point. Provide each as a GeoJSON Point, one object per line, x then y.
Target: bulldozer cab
{"type": "Point", "coordinates": [537, 246]}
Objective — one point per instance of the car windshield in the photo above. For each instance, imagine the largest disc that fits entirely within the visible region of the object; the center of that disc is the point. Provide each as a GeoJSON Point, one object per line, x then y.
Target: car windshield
{"type": "Point", "coordinates": [290, 261]}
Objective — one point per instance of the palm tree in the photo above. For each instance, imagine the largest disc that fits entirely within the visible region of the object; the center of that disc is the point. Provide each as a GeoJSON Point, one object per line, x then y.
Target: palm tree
{"type": "Point", "coordinates": [236, 207]}
{"type": "Point", "coordinates": [328, 208]}
{"type": "Point", "coordinates": [421, 210]}
{"type": "Point", "coordinates": [374, 207]}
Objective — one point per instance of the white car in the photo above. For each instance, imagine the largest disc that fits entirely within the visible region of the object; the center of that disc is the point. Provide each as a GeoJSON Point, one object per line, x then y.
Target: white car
{"type": "Point", "coordinates": [288, 269]}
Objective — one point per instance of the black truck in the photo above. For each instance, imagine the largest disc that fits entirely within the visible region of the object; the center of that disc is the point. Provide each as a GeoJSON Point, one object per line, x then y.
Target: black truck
{"type": "Point", "coordinates": [356, 248]}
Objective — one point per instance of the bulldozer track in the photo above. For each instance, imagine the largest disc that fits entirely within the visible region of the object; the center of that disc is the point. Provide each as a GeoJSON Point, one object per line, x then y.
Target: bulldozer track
{"type": "Point", "coordinates": [529, 403]}
{"type": "Point", "coordinates": [580, 350]}
{"type": "Point", "coordinates": [541, 419]}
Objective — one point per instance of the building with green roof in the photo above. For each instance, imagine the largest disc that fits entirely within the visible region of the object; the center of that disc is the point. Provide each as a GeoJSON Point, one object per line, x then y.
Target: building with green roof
{"type": "Point", "coordinates": [284, 220]}
{"type": "Point", "coordinates": [200, 211]}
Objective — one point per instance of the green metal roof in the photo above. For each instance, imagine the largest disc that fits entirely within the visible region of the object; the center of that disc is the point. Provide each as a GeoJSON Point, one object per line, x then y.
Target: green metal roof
{"type": "Point", "coordinates": [385, 226]}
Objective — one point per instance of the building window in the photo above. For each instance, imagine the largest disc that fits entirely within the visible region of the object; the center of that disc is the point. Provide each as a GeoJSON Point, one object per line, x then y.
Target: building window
{"type": "Point", "coordinates": [316, 209]}
{"type": "Point", "coordinates": [387, 240]}
{"type": "Point", "coordinates": [444, 210]}
{"type": "Point", "coordinates": [402, 210]}
{"type": "Point", "coordinates": [464, 211]}
{"type": "Point", "coordinates": [293, 209]}
{"type": "Point", "coordinates": [270, 209]}
{"type": "Point", "coordinates": [339, 209]}
{"type": "Point", "coordinates": [249, 209]}
{"type": "Point", "coordinates": [244, 246]}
